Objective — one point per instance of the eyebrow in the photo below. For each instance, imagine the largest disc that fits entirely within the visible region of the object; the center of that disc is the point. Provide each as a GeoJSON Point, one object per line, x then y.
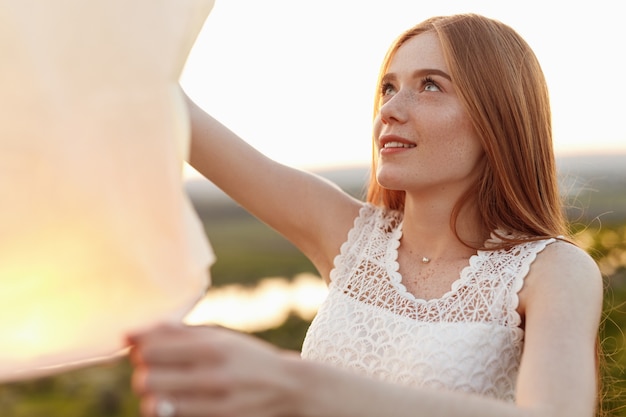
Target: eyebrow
{"type": "Point", "coordinates": [419, 74]}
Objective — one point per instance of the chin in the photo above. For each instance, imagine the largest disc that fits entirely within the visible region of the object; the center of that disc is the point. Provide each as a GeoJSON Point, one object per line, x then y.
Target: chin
{"type": "Point", "coordinates": [390, 180]}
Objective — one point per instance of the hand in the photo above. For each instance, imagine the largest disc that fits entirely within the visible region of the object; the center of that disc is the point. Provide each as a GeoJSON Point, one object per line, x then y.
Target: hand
{"type": "Point", "coordinates": [210, 371]}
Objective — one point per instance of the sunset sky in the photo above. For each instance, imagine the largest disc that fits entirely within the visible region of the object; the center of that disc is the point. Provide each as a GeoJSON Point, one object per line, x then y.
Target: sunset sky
{"type": "Point", "coordinates": [296, 78]}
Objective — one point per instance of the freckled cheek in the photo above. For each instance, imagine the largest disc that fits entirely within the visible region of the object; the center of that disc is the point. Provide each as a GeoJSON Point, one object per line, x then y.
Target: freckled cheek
{"type": "Point", "coordinates": [466, 154]}
{"type": "Point", "coordinates": [458, 145]}
{"type": "Point", "coordinates": [459, 131]}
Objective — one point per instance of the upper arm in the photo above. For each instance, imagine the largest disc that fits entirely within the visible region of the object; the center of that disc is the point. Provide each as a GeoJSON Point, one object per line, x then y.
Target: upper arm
{"type": "Point", "coordinates": [309, 211]}
{"type": "Point", "coordinates": [562, 304]}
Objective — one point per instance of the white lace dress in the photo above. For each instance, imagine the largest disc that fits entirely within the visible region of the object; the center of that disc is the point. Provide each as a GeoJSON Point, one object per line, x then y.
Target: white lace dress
{"type": "Point", "coordinates": [469, 340]}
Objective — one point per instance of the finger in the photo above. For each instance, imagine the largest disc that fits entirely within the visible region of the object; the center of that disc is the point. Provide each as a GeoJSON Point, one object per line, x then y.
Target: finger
{"type": "Point", "coordinates": [149, 405]}
{"type": "Point", "coordinates": [187, 406]}
{"type": "Point", "coordinates": [151, 380]}
{"type": "Point", "coordinates": [196, 379]}
{"type": "Point", "coordinates": [157, 335]}
{"type": "Point", "coordinates": [147, 333]}
{"type": "Point", "coordinates": [178, 349]}
{"type": "Point", "coordinates": [156, 406]}
{"type": "Point", "coordinates": [191, 405]}
{"type": "Point", "coordinates": [252, 405]}
{"type": "Point", "coordinates": [166, 352]}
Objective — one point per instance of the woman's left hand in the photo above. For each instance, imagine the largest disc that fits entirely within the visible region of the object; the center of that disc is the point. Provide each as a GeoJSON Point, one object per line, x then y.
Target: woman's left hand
{"type": "Point", "coordinates": [188, 371]}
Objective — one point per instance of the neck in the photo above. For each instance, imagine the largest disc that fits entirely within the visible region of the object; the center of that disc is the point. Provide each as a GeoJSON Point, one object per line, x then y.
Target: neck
{"type": "Point", "coordinates": [427, 230]}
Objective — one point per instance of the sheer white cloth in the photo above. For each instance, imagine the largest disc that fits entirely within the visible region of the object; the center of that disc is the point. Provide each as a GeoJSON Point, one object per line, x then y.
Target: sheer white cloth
{"type": "Point", "coordinates": [469, 340]}
{"type": "Point", "coordinates": [97, 237]}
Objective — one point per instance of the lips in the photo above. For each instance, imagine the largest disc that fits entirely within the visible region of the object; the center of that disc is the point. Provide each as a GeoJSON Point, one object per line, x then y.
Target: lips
{"type": "Point", "coordinates": [392, 142]}
{"type": "Point", "coordinates": [395, 144]}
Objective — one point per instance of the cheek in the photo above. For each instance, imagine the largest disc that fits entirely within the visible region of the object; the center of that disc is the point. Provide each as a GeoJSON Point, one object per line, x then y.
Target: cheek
{"type": "Point", "coordinates": [460, 143]}
{"type": "Point", "coordinates": [468, 155]}
{"type": "Point", "coordinates": [461, 134]}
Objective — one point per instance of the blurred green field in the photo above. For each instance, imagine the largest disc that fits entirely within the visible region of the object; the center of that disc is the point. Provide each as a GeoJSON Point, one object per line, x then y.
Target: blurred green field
{"type": "Point", "coordinates": [247, 251]}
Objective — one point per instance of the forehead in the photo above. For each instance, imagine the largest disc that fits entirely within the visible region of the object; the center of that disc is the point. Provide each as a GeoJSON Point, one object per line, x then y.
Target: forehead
{"type": "Point", "coordinates": [419, 52]}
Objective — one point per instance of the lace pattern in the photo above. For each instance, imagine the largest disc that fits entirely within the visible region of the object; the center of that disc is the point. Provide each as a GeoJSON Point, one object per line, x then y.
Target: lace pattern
{"type": "Point", "coordinates": [468, 340]}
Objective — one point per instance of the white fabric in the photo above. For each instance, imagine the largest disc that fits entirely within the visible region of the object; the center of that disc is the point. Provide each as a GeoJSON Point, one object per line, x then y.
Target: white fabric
{"type": "Point", "coordinates": [97, 237]}
{"type": "Point", "coordinates": [469, 340]}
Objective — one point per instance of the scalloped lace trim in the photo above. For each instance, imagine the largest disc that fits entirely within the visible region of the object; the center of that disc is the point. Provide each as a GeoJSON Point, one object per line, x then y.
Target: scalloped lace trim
{"type": "Point", "coordinates": [486, 291]}
{"type": "Point", "coordinates": [469, 340]}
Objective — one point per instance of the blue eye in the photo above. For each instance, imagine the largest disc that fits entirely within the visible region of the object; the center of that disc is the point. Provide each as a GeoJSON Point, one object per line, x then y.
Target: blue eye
{"type": "Point", "coordinates": [428, 84]}
{"type": "Point", "coordinates": [387, 89]}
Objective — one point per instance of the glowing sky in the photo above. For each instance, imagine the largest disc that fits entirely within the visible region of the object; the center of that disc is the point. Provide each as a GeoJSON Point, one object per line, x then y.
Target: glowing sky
{"type": "Point", "coordinates": [296, 78]}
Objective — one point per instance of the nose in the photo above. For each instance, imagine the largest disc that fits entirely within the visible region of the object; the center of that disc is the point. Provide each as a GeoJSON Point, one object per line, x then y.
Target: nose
{"type": "Point", "coordinates": [395, 109]}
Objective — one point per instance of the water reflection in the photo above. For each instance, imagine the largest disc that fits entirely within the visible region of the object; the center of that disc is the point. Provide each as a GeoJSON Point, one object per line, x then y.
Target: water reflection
{"type": "Point", "coordinates": [262, 307]}
{"type": "Point", "coordinates": [268, 304]}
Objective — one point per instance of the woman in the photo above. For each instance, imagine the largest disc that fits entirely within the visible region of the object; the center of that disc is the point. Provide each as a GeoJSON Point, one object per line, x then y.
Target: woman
{"type": "Point", "coordinates": [452, 289]}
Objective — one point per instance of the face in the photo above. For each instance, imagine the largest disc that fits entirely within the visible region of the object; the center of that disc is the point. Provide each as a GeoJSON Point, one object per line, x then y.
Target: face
{"type": "Point", "coordinates": [424, 137]}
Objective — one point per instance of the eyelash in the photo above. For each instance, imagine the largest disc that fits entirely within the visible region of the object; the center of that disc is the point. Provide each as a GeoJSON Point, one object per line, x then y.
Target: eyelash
{"type": "Point", "coordinates": [427, 80]}
{"type": "Point", "coordinates": [384, 87]}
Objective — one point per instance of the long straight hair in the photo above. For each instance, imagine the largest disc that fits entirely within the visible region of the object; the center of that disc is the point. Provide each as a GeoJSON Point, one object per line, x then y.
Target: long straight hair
{"type": "Point", "coordinates": [503, 89]}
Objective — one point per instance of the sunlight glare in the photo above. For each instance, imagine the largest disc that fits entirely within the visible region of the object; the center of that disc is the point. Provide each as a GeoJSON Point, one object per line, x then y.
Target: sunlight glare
{"type": "Point", "coordinates": [260, 308]}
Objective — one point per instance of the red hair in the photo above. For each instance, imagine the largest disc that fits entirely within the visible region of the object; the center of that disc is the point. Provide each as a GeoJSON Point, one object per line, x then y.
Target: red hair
{"type": "Point", "coordinates": [503, 89]}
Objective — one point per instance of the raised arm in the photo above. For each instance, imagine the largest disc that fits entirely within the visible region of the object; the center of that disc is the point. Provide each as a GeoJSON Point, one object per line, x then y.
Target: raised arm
{"type": "Point", "coordinates": [312, 213]}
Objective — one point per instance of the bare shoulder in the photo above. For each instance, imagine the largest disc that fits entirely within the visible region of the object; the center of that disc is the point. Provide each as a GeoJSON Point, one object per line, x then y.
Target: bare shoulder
{"type": "Point", "coordinates": [561, 306]}
{"type": "Point", "coordinates": [566, 256]}
{"type": "Point", "coordinates": [564, 271]}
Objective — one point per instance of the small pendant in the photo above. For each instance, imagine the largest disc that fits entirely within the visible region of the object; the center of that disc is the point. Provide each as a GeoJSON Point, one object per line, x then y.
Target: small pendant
{"type": "Point", "coordinates": [425, 260]}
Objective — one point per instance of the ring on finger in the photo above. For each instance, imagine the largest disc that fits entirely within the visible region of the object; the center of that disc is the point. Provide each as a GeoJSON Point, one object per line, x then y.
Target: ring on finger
{"type": "Point", "coordinates": [165, 407]}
